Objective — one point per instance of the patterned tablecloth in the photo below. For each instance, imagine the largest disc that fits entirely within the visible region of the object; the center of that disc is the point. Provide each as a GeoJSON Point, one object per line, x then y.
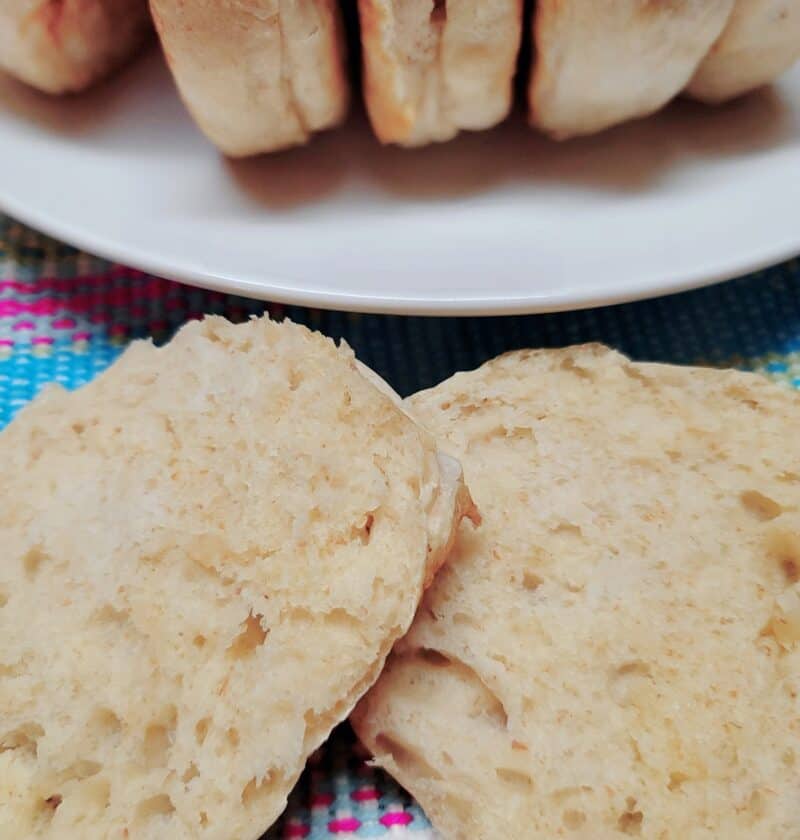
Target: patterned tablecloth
{"type": "Point", "coordinates": [65, 316]}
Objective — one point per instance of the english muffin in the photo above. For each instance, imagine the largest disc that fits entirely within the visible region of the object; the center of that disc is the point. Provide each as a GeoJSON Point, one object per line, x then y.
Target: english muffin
{"type": "Point", "coordinates": [761, 40]}
{"type": "Point", "coordinates": [432, 68]}
{"type": "Point", "coordinates": [257, 75]}
{"type": "Point", "coordinates": [63, 46]}
{"type": "Point", "coordinates": [617, 649]}
{"type": "Point", "coordinates": [600, 63]}
{"type": "Point", "coordinates": [207, 553]}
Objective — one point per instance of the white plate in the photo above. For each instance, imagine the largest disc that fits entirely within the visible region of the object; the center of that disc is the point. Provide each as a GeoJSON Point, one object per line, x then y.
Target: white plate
{"type": "Point", "coordinates": [501, 221]}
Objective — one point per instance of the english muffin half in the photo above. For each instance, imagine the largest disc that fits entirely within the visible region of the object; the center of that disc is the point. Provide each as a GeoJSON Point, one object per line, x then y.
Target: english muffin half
{"type": "Point", "coordinates": [601, 62]}
{"type": "Point", "coordinates": [432, 68]}
{"type": "Point", "coordinates": [63, 46]}
{"type": "Point", "coordinates": [256, 75]}
{"type": "Point", "coordinates": [761, 40]}
{"type": "Point", "coordinates": [616, 651]}
{"type": "Point", "coordinates": [207, 554]}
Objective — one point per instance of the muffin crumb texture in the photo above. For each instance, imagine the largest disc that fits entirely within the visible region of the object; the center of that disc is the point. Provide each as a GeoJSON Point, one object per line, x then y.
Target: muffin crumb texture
{"type": "Point", "coordinates": [207, 554]}
{"type": "Point", "coordinates": [615, 651]}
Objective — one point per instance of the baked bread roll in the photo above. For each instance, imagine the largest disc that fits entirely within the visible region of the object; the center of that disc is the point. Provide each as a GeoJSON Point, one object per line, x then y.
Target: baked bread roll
{"type": "Point", "coordinates": [207, 554]}
{"type": "Point", "coordinates": [432, 68]}
{"type": "Point", "coordinates": [63, 46]}
{"type": "Point", "coordinates": [761, 40]}
{"type": "Point", "coordinates": [616, 651]}
{"type": "Point", "coordinates": [256, 75]}
{"type": "Point", "coordinates": [601, 62]}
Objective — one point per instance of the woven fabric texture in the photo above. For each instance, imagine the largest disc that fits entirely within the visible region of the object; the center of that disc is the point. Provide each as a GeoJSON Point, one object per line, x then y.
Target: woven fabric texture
{"type": "Point", "coordinates": [65, 316]}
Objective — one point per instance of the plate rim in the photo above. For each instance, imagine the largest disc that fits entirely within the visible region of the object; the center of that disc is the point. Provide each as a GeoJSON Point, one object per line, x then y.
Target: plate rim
{"type": "Point", "coordinates": [270, 289]}
{"type": "Point", "coordinates": [573, 285]}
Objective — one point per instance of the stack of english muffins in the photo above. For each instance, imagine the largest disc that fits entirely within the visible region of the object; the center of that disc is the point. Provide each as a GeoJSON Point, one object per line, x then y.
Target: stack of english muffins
{"type": "Point", "coordinates": [558, 596]}
{"type": "Point", "coordinates": [261, 75]}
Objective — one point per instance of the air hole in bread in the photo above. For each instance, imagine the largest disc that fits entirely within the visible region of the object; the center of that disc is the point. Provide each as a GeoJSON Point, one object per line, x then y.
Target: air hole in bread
{"type": "Point", "coordinates": [571, 366]}
{"type": "Point", "coordinates": [434, 658]}
{"type": "Point", "coordinates": [501, 660]}
{"type": "Point", "coordinates": [201, 730]}
{"type": "Point", "coordinates": [103, 724]}
{"type": "Point", "coordinates": [294, 379]}
{"type": "Point", "coordinates": [13, 670]}
{"type": "Point", "coordinates": [636, 667]}
{"type": "Point", "coordinates": [573, 819]}
{"type": "Point", "coordinates": [190, 773]}
{"type": "Point", "coordinates": [791, 568]}
{"type": "Point", "coordinates": [757, 805]}
{"type": "Point", "coordinates": [341, 619]}
{"type": "Point", "coordinates": [630, 821]}
{"type": "Point", "coordinates": [676, 780]}
{"type": "Point", "coordinates": [45, 810]}
{"type": "Point", "coordinates": [158, 738]}
{"type": "Point", "coordinates": [255, 792]}
{"type": "Point", "coordinates": [784, 548]}
{"type": "Point", "coordinates": [110, 615]}
{"type": "Point", "coordinates": [784, 623]}
{"type": "Point", "coordinates": [486, 703]}
{"type": "Point", "coordinates": [569, 528]}
{"type": "Point", "coordinates": [788, 477]}
{"type": "Point", "coordinates": [405, 757]}
{"type": "Point", "coordinates": [156, 746]}
{"type": "Point", "coordinates": [251, 637]}
{"type": "Point", "coordinates": [199, 640]}
{"type": "Point", "coordinates": [362, 532]}
{"type": "Point", "coordinates": [25, 737]}
{"type": "Point", "coordinates": [490, 706]}
{"type": "Point", "coordinates": [439, 12]}
{"type": "Point", "coordinates": [33, 560]}
{"type": "Point", "coordinates": [79, 771]}
{"type": "Point", "coordinates": [761, 506]}
{"type": "Point", "coordinates": [154, 807]}
{"type": "Point", "coordinates": [627, 680]}
{"type": "Point", "coordinates": [465, 620]}
{"type": "Point", "coordinates": [531, 581]}
{"type": "Point", "coordinates": [96, 793]}
{"type": "Point", "coordinates": [634, 373]}
{"type": "Point", "coordinates": [743, 396]}
{"type": "Point", "coordinates": [515, 778]}
{"type": "Point", "coordinates": [462, 809]}
{"type": "Point", "coordinates": [250, 791]}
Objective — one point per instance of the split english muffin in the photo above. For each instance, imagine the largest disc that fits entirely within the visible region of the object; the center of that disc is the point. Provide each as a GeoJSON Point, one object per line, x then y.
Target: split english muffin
{"type": "Point", "coordinates": [63, 46]}
{"type": "Point", "coordinates": [207, 554]}
{"type": "Point", "coordinates": [617, 649]}
{"type": "Point", "coordinates": [602, 62]}
{"type": "Point", "coordinates": [761, 40]}
{"type": "Point", "coordinates": [433, 68]}
{"type": "Point", "coordinates": [256, 75]}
